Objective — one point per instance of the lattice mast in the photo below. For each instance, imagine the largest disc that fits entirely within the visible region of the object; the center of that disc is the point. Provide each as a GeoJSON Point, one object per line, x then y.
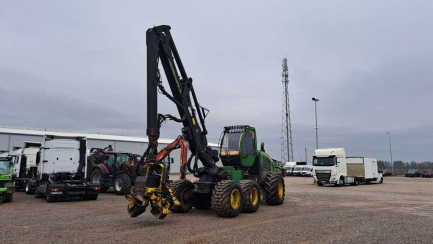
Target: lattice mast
{"type": "Point", "coordinates": [286, 125]}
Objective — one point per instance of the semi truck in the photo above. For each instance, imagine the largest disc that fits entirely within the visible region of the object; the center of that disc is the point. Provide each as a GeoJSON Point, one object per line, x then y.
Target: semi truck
{"type": "Point", "coordinates": [61, 171]}
{"type": "Point", "coordinates": [331, 166]}
{"type": "Point", "coordinates": [24, 163]}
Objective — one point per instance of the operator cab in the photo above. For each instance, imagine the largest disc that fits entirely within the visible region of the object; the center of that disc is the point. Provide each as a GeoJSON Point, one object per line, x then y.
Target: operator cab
{"type": "Point", "coordinates": [238, 143]}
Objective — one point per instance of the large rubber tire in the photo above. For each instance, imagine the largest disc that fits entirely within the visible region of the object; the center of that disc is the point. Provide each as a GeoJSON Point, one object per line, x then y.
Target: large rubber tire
{"type": "Point", "coordinates": [182, 190]}
{"type": "Point", "coordinates": [250, 196]}
{"type": "Point", "coordinates": [367, 182]}
{"type": "Point", "coordinates": [227, 199]}
{"type": "Point", "coordinates": [319, 184]}
{"type": "Point", "coordinates": [97, 177]}
{"type": "Point", "coordinates": [9, 197]}
{"type": "Point", "coordinates": [122, 184]}
{"type": "Point", "coordinates": [29, 190]}
{"type": "Point", "coordinates": [381, 180]}
{"type": "Point", "coordinates": [275, 189]}
{"type": "Point", "coordinates": [1, 199]}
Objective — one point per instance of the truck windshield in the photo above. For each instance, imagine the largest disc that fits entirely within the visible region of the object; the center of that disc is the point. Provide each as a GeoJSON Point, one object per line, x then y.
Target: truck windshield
{"type": "Point", "coordinates": [328, 161]}
{"type": "Point", "coordinates": [4, 167]}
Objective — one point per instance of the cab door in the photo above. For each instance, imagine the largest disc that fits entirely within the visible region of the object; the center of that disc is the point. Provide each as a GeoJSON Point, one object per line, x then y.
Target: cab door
{"type": "Point", "coordinates": [248, 149]}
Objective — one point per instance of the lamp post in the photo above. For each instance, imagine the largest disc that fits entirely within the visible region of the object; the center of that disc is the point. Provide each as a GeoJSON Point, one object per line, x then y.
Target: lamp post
{"type": "Point", "coordinates": [315, 109]}
{"type": "Point", "coordinates": [390, 152]}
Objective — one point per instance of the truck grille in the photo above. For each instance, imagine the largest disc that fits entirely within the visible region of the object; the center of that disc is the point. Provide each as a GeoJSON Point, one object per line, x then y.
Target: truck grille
{"type": "Point", "coordinates": [323, 176]}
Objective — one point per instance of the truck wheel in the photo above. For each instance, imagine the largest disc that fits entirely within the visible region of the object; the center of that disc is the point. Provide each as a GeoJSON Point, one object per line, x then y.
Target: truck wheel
{"type": "Point", "coordinates": [122, 184]}
{"type": "Point", "coordinates": [274, 189]}
{"type": "Point", "coordinates": [227, 198]}
{"type": "Point", "coordinates": [9, 197]}
{"type": "Point", "coordinates": [367, 182]}
{"type": "Point", "coordinates": [381, 180]}
{"type": "Point", "coordinates": [29, 190]}
{"type": "Point", "coordinates": [250, 195]}
{"type": "Point", "coordinates": [182, 190]}
{"type": "Point", "coordinates": [1, 199]}
{"type": "Point", "coordinates": [97, 177]}
{"type": "Point", "coordinates": [319, 184]}
{"type": "Point", "coordinates": [341, 183]}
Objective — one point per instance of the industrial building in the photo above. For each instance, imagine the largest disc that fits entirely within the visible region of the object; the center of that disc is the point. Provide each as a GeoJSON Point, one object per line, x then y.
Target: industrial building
{"type": "Point", "coordinates": [12, 138]}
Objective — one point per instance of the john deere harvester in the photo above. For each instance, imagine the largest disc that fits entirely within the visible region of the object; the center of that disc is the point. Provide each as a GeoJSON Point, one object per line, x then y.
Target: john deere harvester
{"type": "Point", "coordinates": [247, 175]}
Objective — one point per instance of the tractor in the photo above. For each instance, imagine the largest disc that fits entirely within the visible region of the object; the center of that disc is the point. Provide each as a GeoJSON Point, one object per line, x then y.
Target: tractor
{"type": "Point", "coordinates": [112, 169]}
{"type": "Point", "coordinates": [7, 188]}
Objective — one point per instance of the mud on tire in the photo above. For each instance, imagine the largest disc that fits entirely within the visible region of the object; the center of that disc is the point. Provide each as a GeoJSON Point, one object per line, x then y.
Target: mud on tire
{"type": "Point", "coordinates": [182, 191]}
{"type": "Point", "coordinates": [227, 198]}
{"type": "Point", "coordinates": [274, 188]}
{"type": "Point", "coordinates": [250, 196]}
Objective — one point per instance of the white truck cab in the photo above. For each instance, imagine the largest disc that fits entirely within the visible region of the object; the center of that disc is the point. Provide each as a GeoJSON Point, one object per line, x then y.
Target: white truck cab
{"type": "Point", "coordinates": [24, 163]}
{"type": "Point", "coordinates": [331, 166]}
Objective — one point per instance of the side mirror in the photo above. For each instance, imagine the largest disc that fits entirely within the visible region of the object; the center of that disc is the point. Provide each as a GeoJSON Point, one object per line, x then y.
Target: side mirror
{"type": "Point", "coordinates": [262, 147]}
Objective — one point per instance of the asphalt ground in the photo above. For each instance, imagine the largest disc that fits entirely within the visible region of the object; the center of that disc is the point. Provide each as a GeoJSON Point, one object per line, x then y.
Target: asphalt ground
{"type": "Point", "coordinates": [398, 211]}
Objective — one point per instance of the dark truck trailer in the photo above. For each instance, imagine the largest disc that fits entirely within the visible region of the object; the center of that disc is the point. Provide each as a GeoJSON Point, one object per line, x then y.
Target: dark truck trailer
{"type": "Point", "coordinates": [61, 170]}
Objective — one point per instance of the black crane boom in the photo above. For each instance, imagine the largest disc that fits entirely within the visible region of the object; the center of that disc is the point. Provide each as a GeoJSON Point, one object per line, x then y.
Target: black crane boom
{"type": "Point", "coordinates": [161, 47]}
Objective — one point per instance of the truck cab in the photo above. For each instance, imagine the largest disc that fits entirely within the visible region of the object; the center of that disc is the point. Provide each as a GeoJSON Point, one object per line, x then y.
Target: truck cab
{"type": "Point", "coordinates": [24, 163]}
{"type": "Point", "coordinates": [329, 166]}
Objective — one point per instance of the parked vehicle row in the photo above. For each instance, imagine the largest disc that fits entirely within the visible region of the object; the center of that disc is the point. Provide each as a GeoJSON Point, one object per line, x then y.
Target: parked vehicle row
{"type": "Point", "coordinates": [62, 167]}
{"type": "Point", "coordinates": [418, 173]}
{"type": "Point", "coordinates": [299, 169]}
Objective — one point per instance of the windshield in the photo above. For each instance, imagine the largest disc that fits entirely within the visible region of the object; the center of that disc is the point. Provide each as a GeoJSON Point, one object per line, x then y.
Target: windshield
{"type": "Point", "coordinates": [289, 168]}
{"type": "Point", "coordinates": [231, 141]}
{"type": "Point", "coordinates": [123, 158]}
{"type": "Point", "coordinates": [412, 171]}
{"type": "Point", "coordinates": [329, 161]}
{"type": "Point", "coordinates": [4, 167]}
{"type": "Point", "coordinates": [298, 168]}
{"type": "Point", "coordinates": [306, 169]}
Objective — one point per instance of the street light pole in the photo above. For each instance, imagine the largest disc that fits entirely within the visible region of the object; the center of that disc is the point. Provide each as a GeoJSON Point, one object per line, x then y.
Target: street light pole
{"type": "Point", "coordinates": [390, 152]}
{"type": "Point", "coordinates": [315, 109]}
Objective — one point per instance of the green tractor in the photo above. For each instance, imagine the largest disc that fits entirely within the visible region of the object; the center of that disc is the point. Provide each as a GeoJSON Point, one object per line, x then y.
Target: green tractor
{"type": "Point", "coordinates": [7, 188]}
{"type": "Point", "coordinates": [247, 176]}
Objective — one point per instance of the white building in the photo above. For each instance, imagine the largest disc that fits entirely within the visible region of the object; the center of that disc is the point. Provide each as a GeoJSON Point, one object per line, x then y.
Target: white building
{"type": "Point", "coordinates": [13, 137]}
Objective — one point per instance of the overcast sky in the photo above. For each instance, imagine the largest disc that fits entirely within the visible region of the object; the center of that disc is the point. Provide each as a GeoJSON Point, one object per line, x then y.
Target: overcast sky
{"type": "Point", "coordinates": [81, 65]}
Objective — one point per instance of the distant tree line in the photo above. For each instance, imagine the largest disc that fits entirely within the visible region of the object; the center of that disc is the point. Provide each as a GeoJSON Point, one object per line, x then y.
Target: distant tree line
{"type": "Point", "coordinates": [400, 167]}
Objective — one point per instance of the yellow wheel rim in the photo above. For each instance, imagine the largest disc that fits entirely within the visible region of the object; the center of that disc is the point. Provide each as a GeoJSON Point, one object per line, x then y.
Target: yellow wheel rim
{"type": "Point", "coordinates": [235, 199]}
{"type": "Point", "coordinates": [281, 189]}
{"type": "Point", "coordinates": [254, 196]}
